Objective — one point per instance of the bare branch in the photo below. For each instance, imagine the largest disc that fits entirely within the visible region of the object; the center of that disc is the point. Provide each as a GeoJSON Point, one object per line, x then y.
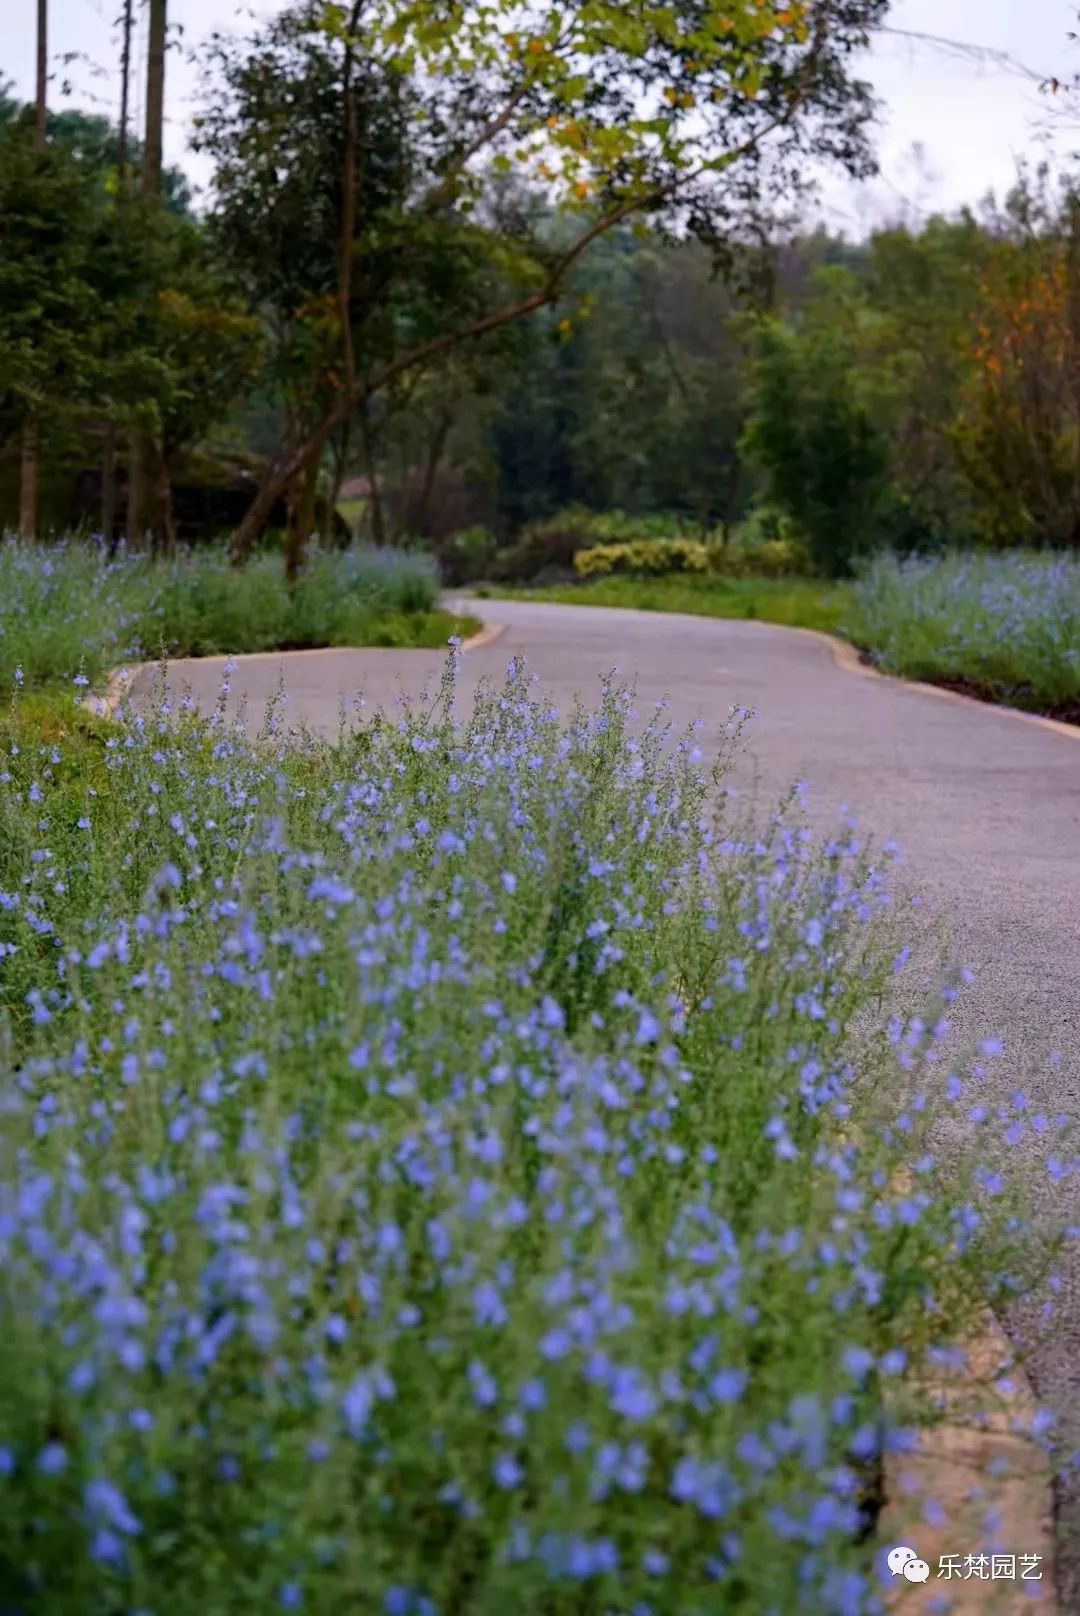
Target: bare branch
{"type": "Point", "coordinates": [491, 131]}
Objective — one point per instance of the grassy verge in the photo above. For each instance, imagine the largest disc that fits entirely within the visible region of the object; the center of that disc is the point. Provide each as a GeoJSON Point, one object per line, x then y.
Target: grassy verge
{"type": "Point", "coordinates": [795, 602]}
{"type": "Point", "coordinates": [66, 607]}
{"type": "Point", "coordinates": [440, 1174]}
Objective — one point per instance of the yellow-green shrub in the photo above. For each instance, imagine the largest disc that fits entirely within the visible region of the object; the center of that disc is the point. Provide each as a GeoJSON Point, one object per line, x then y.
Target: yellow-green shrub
{"type": "Point", "coordinates": [772, 558]}
{"type": "Point", "coordinates": [648, 558]}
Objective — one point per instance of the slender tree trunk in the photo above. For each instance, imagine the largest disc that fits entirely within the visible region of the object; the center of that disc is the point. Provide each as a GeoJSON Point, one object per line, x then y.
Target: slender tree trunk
{"type": "Point", "coordinates": [108, 488]}
{"type": "Point", "coordinates": [31, 437]}
{"type": "Point", "coordinates": [166, 522]}
{"type": "Point", "coordinates": [109, 491]}
{"type": "Point", "coordinates": [436, 449]}
{"type": "Point", "coordinates": [340, 459]}
{"type": "Point", "coordinates": [136, 489]}
{"type": "Point", "coordinates": [28, 482]}
{"type": "Point", "coordinates": [371, 472]}
{"type": "Point", "coordinates": [155, 99]}
{"type": "Point", "coordinates": [125, 94]}
{"type": "Point", "coordinates": [303, 521]}
{"type": "Point", "coordinates": [41, 96]}
{"type": "Point", "coordinates": [348, 207]}
{"type": "Point", "coordinates": [144, 451]}
{"type": "Point", "coordinates": [301, 533]}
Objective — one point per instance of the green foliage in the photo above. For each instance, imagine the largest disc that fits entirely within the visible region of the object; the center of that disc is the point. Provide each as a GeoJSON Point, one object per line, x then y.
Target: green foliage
{"type": "Point", "coordinates": [466, 556]}
{"type": "Point", "coordinates": [642, 558]}
{"type": "Point", "coordinates": [772, 558]}
{"type": "Point", "coordinates": [94, 143]}
{"type": "Point", "coordinates": [112, 311]}
{"type": "Point", "coordinates": [49, 307]}
{"type": "Point", "coordinates": [821, 457]}
{"type": "Point", "coordinates": [652, 340]}
{"type": "Point", "coordinates": [922, 294]}
{"type": "Point", "coordinates": [546, 546]}
{"type": "Point", "coordinates": [618, 527]}
{"type": "Point", "coordinates": [568, 540]}
{"type": "Point", "coordinates": [765, 545]}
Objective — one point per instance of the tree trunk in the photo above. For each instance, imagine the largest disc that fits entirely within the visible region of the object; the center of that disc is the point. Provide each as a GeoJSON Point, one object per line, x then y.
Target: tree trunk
{"type": "Point", "coordinates": [28, 482]}
{"type": "Point", "coordinates": [108, 489]}
{"type": "Point", "coordinates": [375, 504]}
{"type": "Point", "coordinates": [165, 524]}
{"type": "Point", "coordinates": [155, 98]}
{"type": "Point", "coordinates": [436, 449]}
{"type": "Point", "coordinates": [347, 221]}
{"type": "Point", "coordinates": [136, 491]}
{"type": "Point", "coordinates": [303, 521]}
{"type": "Point", "coordinates": [41, 97]}
{"type": "Point", "coordinates": [28, 461]}
{"type": "Point", "coordinates": [127, 23]}
{"type": "Point", "coordinates": [143, 450]}
{"type": "Point", "coordinates": [337, 475]}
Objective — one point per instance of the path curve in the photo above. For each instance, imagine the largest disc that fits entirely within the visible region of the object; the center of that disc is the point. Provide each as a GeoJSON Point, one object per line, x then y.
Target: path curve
{"type": "Point", "coordinates": [986, 808]}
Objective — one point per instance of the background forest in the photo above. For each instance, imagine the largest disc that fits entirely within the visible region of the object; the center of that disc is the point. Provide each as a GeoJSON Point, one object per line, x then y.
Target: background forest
{"type": "Point", "coordinates": [822, 397]}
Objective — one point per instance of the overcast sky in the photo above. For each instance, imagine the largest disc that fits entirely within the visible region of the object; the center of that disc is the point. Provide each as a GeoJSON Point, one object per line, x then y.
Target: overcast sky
{"type": "Point", "coordinates": [971, 120]}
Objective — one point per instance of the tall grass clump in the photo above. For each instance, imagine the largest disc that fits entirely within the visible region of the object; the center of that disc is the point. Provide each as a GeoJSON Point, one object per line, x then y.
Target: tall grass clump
{"type": "Point", "coordinates": [69, 606]}
{"type": "Point", "coordinates": [451, 1172]}
{"type": "Point", "coordinates": [63, 606]}
{"type": "Point", "coordinates": [1005, 626]}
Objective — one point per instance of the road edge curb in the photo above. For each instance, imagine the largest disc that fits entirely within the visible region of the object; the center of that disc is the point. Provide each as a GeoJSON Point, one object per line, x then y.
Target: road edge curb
{"type": "Point", "coordinates": [121, 679]}
{"type": "Point", "coordinates": [849, 658]}
{"type": "Point", "coordinates": [986, 1466]}
{"type": "Point", "coordinates": [487, 636]}
{"type": "Point", "coordinates": [120, 682]}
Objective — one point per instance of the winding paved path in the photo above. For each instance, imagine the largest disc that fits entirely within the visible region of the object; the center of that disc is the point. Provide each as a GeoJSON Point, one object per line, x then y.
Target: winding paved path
{"type": "Point", "coordinates": [985, 805]}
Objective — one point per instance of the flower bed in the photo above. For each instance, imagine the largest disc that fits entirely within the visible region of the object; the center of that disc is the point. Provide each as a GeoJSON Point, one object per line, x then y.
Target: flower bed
{"type": "Point", "coordinates": [66, 607]}
{"type": "Point", "coordinates": [448, 1173]}
{"type": "Point", "coordinates": [1006, 627]}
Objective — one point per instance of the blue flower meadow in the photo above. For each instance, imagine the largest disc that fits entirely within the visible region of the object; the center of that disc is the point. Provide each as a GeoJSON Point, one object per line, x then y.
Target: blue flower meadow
{"type": "Point", "coordinates": [451, 1172]}
{"type": "Point", "coordinates": [1006, 625]}
{"type": "Point", "coordinates": [68, 608]}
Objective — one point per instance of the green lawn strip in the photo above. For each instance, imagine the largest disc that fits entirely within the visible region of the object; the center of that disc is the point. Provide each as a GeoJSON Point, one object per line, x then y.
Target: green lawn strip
{"type": "Point", "coordinates": [792, 602]}
{"type": "Point", "coordinates": [395, 630]}
{"type": "Point", "coordinates": [361, 630]}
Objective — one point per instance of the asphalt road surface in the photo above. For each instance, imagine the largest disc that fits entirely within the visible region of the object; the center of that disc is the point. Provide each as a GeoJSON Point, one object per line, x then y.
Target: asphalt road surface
{"type": "Point", "coordinates": [985, 806]}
